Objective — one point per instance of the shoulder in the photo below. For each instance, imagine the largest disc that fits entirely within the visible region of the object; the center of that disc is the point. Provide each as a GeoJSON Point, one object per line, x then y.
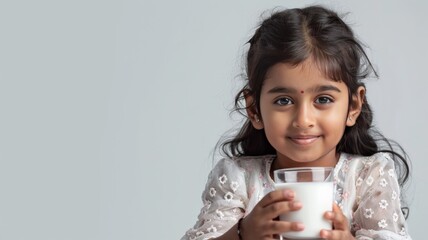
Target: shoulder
{"type": "Point", "coordinates": [230, 177]}
{"type": "Point", "coordinates": [380, 159]}
{"type": "Point", "coordinates": [376, 164]}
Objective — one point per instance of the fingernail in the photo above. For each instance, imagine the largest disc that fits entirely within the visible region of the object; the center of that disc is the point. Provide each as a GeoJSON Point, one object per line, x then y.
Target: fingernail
{"type": "Point", "coordinates": [300, 226]}
{"type": "Point", "coordinates": [296, 204]}
{"type": "Point", "coordinates": [325, 234]}
{"type": "Point", "coordinates": [288, 193]}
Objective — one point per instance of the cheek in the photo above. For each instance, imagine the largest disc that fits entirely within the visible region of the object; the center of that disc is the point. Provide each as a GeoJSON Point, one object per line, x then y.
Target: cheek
{"type": "Point", "coordinates": [335, 119]}
{"type": "Point", "coordinates": [275, 123]}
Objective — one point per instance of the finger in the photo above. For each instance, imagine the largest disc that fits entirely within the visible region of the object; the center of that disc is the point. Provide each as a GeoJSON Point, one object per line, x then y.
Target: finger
{"type": "Point", "coordinates": [339, 220]}
{"type": "Point", "coordinates": [276, 196]}
{"type": "Point", "coordinates": [275, 209]}
{"type": "Point", "coordinates": [331, 235]}
{"type": "Point", "coordinates": [278, 227]}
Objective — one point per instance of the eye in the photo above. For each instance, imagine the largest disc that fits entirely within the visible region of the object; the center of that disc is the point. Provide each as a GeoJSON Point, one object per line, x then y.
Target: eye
{"type": "Point", "coordinates": [283, 101]}
{"type": "Point", "coordinates": [324, 100]}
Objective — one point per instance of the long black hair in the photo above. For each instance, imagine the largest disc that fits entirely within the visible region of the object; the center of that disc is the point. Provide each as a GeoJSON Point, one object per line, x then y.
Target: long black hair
{"type": "Point", "coordinates": [292, 36]}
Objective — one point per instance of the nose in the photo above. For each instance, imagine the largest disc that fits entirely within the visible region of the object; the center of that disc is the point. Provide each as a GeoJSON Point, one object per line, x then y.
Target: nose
{"type": "Point", "coordinates": [304, 117]}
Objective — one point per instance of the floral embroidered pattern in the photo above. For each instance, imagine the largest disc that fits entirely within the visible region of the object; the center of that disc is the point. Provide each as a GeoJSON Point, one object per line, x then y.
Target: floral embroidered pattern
{"type": "Point", "coordinates": [212, 192]}
{"type": "Point", "coordinates": [223, 179]}
{"type": "Point", "coordinates": [212, 229]}
{"type": "Point", "coordinates": [369, 180]}
{"type": "Point", "coordinates": [382, 223]}
{"type": "Point", "coordinates": [234, 186]}
{"type": "Point", "coordinates": [345, 168]}
{"type": "Point", "coordinates": [394, 195]}
{"type": "Point", "coordinates": [381, 171]}
{"type": "Point", "coordinates": [219, 213]}
{"type": "Point", "coordinates": [383, 182]}
{"type": "Point", "coordinates": [383, 204]}
{"type": "Point", "coordinates": [228, 197]}
{"type": "Point", "coordinates": [368, 213]}
{"type": "Point", "coordinates": [403, 231]}
{"type": "Point", "coordinates": [368, 161]}
{"type": "Point", "coordinates": [359, 182]}
{"type": "Point", "coordinates": [366, 190]}
{"type": "Point", "coordinates": [207, 204]}
{"type": "Point", "coordinates": [395, 217]}
{"type": "Point", "coordinates": [391, 172]}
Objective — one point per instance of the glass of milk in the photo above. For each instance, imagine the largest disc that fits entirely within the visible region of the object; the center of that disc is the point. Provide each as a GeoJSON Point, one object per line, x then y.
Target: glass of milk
{"type": "Point", "coordinates": [313, 187]}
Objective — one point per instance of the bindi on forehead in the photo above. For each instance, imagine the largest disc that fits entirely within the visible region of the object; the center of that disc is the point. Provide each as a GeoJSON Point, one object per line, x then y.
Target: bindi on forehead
{"type": "Point", "coordinates": [302, 91]}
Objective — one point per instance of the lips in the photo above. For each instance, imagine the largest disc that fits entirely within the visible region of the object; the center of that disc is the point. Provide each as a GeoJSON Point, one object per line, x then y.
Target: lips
{"type": "Point", "coordinates": [304, 139]}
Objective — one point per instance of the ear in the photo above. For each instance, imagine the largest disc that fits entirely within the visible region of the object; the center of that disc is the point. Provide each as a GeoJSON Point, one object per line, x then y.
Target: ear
{"type": "Point", "coordinates": [252, 113]}
{"type": "Point", "coordinates": [355, 106]}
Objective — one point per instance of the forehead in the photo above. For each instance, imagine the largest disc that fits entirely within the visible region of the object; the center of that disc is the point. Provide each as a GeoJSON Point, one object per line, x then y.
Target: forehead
{"type": "Point", "coordinates": [302, 77]}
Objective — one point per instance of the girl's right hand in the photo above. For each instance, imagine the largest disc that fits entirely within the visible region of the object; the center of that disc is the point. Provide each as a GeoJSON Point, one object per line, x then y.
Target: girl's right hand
{"type": "Point", "coordinates": [260, 223]}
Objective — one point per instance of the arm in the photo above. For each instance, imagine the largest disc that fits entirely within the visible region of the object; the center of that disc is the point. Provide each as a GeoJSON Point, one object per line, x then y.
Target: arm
{"type": "Point", "coordinates": [231, 234]}
{"type": "Point", "coordinates": [225, 200]}
{"type": "Point", "coordinates": [378, 212]}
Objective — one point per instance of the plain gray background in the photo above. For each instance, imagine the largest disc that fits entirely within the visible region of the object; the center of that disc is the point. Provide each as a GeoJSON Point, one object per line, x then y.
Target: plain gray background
{"type": "Point", "coordinates": [110, 110]}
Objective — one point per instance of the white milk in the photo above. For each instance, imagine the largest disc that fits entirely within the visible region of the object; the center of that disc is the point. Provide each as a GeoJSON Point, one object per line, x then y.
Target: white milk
{"type": "Point", "coordinates": [316, 199]}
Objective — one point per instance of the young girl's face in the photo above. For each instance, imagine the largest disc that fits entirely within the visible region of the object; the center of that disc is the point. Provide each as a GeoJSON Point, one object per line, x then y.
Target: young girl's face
{"type": "Point", "coordinates": [304, 114]}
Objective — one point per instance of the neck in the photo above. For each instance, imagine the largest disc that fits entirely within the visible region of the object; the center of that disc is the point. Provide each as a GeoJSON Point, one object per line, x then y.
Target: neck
{"type": "Point", "coordinates": [326, 161]}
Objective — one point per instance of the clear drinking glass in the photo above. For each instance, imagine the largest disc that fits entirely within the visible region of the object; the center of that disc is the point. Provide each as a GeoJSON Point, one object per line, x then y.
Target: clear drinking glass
{"type": "Point", "coordinates": [313, 187]}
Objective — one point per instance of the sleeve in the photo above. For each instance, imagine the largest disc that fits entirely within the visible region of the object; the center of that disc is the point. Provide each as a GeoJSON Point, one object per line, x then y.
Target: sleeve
{"type": "Point", "coordinates": [224, 200]}
{"type": "Point", "coordinates": [378, 213]}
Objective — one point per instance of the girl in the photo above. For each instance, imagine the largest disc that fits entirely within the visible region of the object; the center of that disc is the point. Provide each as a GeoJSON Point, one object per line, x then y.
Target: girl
{"type": "Point", "coordinates": [306, 107]}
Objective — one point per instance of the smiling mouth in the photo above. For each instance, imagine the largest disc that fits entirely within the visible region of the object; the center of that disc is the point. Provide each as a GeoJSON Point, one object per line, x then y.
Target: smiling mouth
{"type": "Point", "coordinates": [304, 140]}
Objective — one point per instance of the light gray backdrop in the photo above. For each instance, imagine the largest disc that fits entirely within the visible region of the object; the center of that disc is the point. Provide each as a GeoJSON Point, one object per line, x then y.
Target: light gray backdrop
{"type": "Point", "coordinates": [110, 110]}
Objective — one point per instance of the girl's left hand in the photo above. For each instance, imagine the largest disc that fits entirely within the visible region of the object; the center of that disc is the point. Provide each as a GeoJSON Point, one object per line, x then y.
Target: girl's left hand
{"type": "Point", "coordinates": [340, 226]}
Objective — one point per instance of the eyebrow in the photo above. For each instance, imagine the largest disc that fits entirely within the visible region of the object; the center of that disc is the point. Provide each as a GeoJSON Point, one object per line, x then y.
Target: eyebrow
{"type": "Point", "coordinates": [282, 90]}
{"type": "Point", "coordinates": [321, 88]}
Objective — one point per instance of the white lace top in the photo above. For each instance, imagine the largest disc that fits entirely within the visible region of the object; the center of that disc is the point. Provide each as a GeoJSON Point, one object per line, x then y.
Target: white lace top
{"type": "Point", "coordinates": [367, 191]}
